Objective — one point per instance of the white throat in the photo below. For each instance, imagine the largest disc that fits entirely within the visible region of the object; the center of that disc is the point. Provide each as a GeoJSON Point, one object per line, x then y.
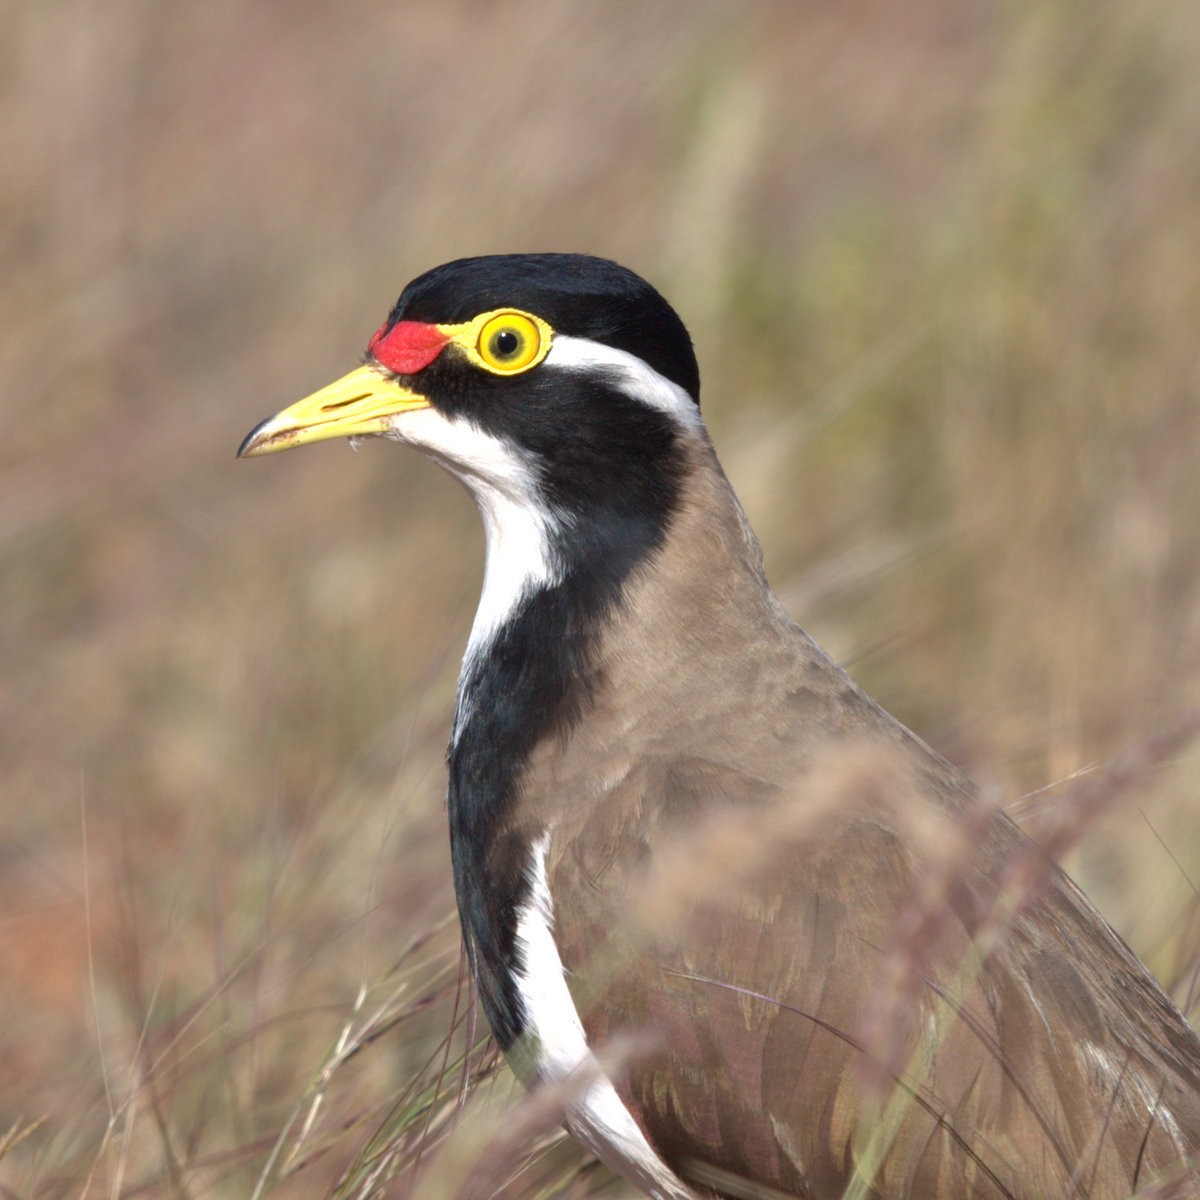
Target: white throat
{"type": "Point", "coordinates": [516, 520]}
{"type": "Point", "coordinates": [518, 558]}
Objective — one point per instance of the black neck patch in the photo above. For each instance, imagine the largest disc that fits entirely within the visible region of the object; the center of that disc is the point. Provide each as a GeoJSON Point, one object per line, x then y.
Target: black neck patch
{"type": "Point", "coordinates": [617, 485]}
{"type": "Point", "coordinates": [578, 295]}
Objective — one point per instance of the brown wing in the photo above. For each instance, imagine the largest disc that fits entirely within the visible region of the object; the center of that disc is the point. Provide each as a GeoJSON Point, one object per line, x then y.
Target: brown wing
{"type": "Point", "coordinates": [757, 869]}
{"type": "Point", "coordinates": [811, 973]}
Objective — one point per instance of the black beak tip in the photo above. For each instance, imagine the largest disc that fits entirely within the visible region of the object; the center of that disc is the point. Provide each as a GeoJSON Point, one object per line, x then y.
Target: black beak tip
{"type": "Point", "coordinates": [250, 438]}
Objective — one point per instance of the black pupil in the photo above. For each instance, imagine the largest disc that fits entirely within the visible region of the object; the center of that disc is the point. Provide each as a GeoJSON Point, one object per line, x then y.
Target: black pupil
{"type": "Point", "coordinates": [505, 343]}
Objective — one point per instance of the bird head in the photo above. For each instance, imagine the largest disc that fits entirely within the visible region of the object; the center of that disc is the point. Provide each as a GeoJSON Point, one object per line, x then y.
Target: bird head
{"type": "Point", "coordinates": [561, 389]}
{"type": "Point", "coordinates": [557, 372]}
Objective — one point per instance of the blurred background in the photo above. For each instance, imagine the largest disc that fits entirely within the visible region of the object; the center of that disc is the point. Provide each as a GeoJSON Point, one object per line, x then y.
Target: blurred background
{"type": "Point", "coordinates": [941, 262]}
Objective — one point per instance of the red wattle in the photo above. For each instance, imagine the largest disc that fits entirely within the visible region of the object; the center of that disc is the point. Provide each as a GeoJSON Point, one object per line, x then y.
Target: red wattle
{"type": "Point", "coordinates": [408, 347]}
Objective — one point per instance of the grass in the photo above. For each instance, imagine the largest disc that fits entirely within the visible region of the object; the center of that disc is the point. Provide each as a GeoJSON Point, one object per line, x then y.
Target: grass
{"type": "Point", "coordinates": [941, 268]}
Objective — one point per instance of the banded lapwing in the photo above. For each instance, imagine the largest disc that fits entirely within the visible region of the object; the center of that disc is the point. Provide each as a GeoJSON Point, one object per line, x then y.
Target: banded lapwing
{"type": "Point", "coordinates": [768, 938]}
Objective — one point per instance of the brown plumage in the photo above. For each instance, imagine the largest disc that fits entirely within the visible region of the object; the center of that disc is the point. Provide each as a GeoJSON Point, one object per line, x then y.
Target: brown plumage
{"type": "Point", "coordinates": [1052, 1067]}
{"type": "Point", "coordinates": [766, 941]}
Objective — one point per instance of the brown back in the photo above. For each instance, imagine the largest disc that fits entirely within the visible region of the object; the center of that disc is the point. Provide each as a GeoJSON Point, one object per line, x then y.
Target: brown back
{"type": "Point", "coordinates": [802, 913]}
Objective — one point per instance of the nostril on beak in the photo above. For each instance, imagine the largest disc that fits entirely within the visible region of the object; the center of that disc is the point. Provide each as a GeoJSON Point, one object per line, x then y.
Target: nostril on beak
{"type": "Point", "coordinates": [343, 403]}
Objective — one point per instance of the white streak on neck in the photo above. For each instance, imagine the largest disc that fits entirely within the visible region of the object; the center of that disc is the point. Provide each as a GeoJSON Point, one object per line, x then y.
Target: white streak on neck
{"type": "Point", "coordinates": [516, 519]}
{"type": "Point", "coordinates": [518, 559]}
{"type": "Point", "coordinates": [554, 1048]}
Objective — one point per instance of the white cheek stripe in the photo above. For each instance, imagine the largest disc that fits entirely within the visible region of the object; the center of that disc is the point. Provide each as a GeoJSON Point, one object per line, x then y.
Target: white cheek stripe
{"type": "Point", "coordinates": [515, 518]}
{"type": "Point", "coordinates": [556, 1041]}
{"type": "Point", "coordinates": [517, 559]}
{"type": "Point", "coordinates": [629, 373]}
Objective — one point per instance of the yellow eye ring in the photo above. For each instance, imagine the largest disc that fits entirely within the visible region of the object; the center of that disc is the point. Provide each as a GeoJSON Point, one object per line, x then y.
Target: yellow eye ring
{"type": "Point", "coordinates": [511, 342]}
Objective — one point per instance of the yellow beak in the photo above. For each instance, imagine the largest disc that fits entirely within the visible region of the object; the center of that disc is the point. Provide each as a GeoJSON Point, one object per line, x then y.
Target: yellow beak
{"type": "Point", "coordinates": [358, 404]}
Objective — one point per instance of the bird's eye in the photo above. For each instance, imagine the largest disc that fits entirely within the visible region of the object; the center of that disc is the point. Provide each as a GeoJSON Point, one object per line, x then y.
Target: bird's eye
{"type": "Point", "coordinates": [509, 343]}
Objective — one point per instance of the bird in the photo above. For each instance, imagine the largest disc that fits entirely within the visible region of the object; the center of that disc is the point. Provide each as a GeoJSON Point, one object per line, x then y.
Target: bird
{"type": "Point", "coordinates": [767, 941]}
